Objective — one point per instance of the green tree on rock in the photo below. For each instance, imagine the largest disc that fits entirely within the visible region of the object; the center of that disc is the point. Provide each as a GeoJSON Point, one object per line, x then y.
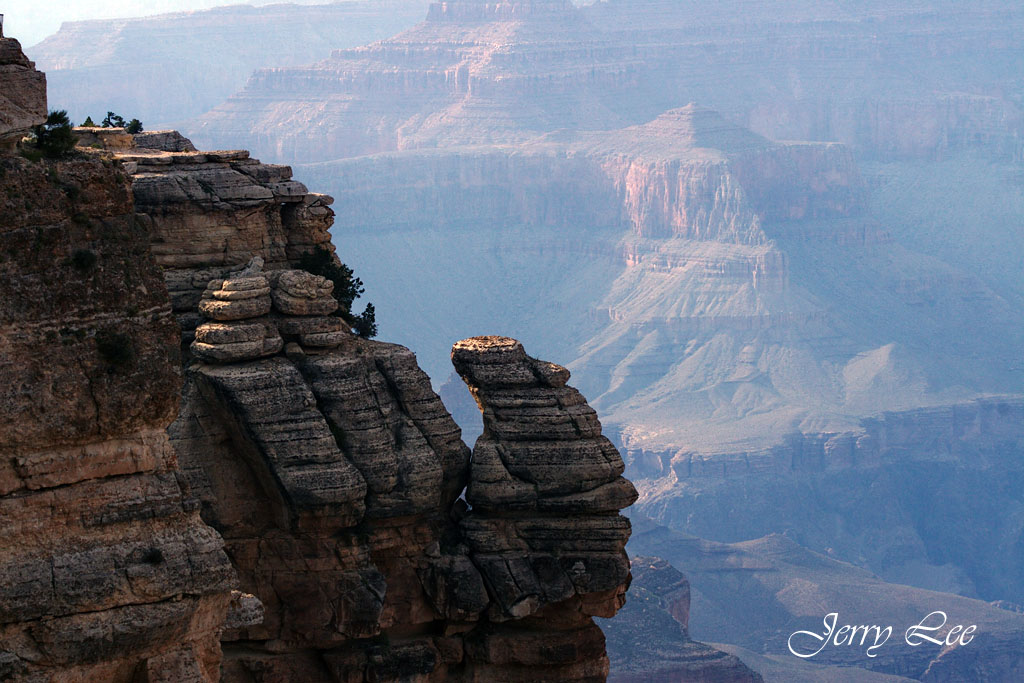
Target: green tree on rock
{"type": "Point", "coordinates": [55, 138]}
{"type": "Point", "coordinates": [134, 126]}
{"type": "Point", "coordinates": [88, 123]}
{"type": "Point", "coordinates": [347, 288]}
{"type": "Point", "coordinates": [113, 121]}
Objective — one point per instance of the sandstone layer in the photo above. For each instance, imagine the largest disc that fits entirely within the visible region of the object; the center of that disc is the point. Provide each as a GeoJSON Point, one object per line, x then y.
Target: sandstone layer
{"type": "Point", "coordinates": [107, 572]}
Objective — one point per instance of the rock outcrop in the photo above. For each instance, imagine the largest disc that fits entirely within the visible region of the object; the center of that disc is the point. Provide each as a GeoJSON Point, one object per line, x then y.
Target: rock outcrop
{"type": "Point", "coordinates": [334, 472]}
{"type": "Point", "coordinates": [107, 572]}
{"type": "Point", "coordinates": [335, 476]}
{"type": "Point", "coordinates": [331, 470]}
{"type": "Point", "coordinates": [210, 213]}
{"type": "Point", "coordinates": [23, 97]}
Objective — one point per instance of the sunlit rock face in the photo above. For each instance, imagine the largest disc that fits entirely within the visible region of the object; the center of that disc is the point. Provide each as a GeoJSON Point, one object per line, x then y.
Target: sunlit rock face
{"type": "Point", "coordinates": [107, 572]}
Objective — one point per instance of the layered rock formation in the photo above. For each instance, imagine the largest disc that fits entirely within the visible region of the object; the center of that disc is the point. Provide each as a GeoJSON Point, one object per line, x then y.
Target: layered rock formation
{"type": "Point", "coordinates": [209, 212]}
{"type": "Point", "coordinates": [107, 572]}
{"type": "Point", "coordinates": [23, 99]}
{"type": "Point", "coordinates": [333, 470]}
{"type": "Point", "coordinates": [170, 67]}
{"type": "Point", "coordinates": [890, 82]}
{"type": "Point", "coordinates": [475, 72]}
{"type": "Point", "coordinates": [334, 475]}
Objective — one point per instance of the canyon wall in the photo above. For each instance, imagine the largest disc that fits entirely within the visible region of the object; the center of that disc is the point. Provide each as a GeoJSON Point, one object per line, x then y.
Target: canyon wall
{"type": "Point", "coordinates": [170, 67]}
{"type": "Point", "coordinates": [918, 80]}
{"type": "Point", "coordinates": [790, 585]}
{"type": "Point", "coordinates": [108, 573]}
{"type": "Point", "coordinates": [927, 80]}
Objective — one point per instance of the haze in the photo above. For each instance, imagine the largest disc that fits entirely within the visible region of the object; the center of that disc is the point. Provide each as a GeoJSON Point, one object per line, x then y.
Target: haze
{"type": "Point", "coordinates": [30, 21]}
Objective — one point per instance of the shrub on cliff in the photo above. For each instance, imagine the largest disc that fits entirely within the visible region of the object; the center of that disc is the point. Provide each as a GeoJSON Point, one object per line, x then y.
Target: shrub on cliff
{"type": "Point", "coordinates": [88, 123]}
{"type": "Point", "coordinates": [347, 288]}
{"type": "Point", "coordinates": [54, 139]}
{"type": "Point", "coordinates": [134, 126]}
{"type": "Point", "coordinates": [365, 324]}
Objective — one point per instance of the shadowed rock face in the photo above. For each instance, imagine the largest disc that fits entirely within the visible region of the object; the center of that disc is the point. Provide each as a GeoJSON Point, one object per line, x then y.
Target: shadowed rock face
{"type": "Point", "coordinates": [335, 475]}
{"type": "Point", "coordinates": [107, 572]}
{"type": "Point", "coordinates": [545, 489]}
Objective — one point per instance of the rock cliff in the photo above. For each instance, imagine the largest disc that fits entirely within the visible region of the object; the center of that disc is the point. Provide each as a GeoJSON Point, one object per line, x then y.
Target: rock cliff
{"type": "Point", "coordinates": [319, 472]}
{"type": "Point", "coordinates": [334, 472]}
{"type": "Point", "coordinates": [107, 572]}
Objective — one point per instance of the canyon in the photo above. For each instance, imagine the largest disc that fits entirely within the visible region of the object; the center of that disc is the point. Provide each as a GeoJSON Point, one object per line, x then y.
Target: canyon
{"type": "Point", "coordinates": [204, 475]}
{"type": "Point", "coordinates": [777, 244]}
{"type": "Point", "coordinates": [816, 338]}
{"type": "Point", "coordinates": [171, 67]}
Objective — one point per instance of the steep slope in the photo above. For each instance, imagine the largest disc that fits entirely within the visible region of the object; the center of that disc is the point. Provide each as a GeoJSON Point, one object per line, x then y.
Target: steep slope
{"type": "Point", "coordinates": [171, 67]}
{"type": "Point", "coordinates": [106, 570]}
